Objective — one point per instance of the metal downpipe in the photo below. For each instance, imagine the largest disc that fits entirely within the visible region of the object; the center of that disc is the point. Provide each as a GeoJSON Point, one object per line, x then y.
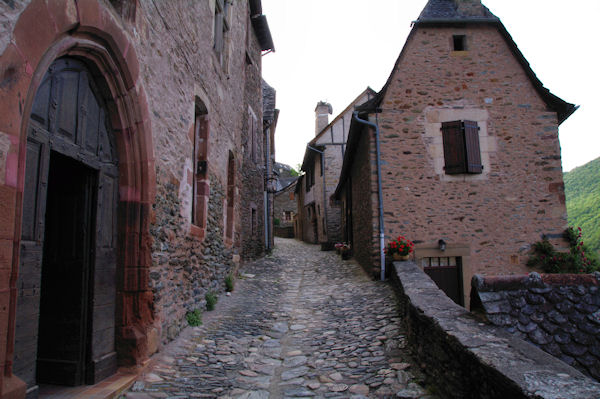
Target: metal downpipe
{"type": "Point", "coordinates": [379, 192]}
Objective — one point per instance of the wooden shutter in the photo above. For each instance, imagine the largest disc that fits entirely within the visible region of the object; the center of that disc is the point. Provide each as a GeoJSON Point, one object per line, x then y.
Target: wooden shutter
{"type": "Point", "coordinates": [472, 145]}
{"type": "Point", "coordinates": [454, 147]}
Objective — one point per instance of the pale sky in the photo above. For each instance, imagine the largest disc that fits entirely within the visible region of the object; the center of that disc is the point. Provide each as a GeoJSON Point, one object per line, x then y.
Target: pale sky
{"type": "Point", "coordinates": [331, 50]}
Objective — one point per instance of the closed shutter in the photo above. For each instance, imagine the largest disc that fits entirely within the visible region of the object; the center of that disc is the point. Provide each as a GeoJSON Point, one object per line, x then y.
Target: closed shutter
{"type": "Point", "coordinates": [454, 148]}
{"type": "Point", "coordinates": [472, 144]}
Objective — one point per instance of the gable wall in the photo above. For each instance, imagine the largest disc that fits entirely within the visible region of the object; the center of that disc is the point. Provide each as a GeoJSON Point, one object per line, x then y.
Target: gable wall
{"type": "Point", "coordinates": [520, 194]}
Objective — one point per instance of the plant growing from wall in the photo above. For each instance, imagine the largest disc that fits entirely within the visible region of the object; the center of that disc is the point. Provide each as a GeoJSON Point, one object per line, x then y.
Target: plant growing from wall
{"type": "Point", "coordinates": [229, 282]}
{"type": "Point", "coordinates": [211, 300]}
{"type": "Point", "coordinates": [276, 221]}
{"type": "Point", "coordinates": [194, 318]}
{"type": "Point", "coordinates": [579, 259]}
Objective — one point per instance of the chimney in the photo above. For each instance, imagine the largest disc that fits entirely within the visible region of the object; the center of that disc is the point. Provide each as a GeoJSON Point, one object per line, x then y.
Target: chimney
{"type": "Point", "coordinates": [322, 113]}
{"type": "Point", "coordinates": [470, 8]}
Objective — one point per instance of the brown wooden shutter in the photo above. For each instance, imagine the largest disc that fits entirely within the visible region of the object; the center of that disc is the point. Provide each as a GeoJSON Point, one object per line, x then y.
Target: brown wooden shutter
{"type": "Point", "coordinates": [454, 147]}
{"type": "Point", "coordinates": [472, 145]}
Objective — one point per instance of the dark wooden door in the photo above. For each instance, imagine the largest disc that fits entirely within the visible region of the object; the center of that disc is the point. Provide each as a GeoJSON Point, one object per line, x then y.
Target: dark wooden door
{"type": "Point", "coordinates": [446, 272]}
{"type": "Point", "coordinates": [68, 257]}
{"type": "Point", "coordinates": [67, 264]}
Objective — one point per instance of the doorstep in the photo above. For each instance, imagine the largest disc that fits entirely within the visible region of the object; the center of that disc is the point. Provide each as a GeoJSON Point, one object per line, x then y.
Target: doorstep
{"type": "Point", "coordinates": [109, 388]}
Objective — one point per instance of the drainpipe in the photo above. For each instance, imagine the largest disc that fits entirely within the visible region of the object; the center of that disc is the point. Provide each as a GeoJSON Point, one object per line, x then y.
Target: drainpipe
{"type": "Point", "coordinates": [381, 227]}
{"type": "Point", "coordinates": [324, 186]}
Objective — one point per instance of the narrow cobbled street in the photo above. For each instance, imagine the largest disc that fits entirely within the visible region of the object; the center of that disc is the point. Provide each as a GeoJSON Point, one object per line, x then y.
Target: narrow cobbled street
{"type": "Point", "coordinates": [300, 323]}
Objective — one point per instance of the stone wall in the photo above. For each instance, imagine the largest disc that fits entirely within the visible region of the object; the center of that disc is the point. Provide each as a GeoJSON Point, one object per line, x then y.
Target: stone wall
{"type": "Point", "coordinates": [559, 313]}
{"type": "Point", "coordinates": [364, 208]}
{"type": "Point", "coordinates": [466, 358]}
{"type": "Point", "coordinates": [184, 270]}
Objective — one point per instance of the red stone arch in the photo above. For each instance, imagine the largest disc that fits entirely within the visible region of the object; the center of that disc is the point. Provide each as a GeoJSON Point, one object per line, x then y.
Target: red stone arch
{"type": "Point", "coordinates": [90, 31]}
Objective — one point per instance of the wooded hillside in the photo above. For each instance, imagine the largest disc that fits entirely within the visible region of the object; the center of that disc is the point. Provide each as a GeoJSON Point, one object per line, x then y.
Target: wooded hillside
{"type": "Point", "coordinates": [582, 188]}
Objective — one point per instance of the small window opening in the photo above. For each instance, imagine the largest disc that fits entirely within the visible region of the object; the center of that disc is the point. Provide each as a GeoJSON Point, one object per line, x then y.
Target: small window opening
{"type": "Point", "coordinates": [459, 42]}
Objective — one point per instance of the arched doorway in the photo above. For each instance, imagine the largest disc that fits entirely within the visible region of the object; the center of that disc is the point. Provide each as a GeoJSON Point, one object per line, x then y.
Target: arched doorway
{"type": "Point", "coordinates": [66, 304]}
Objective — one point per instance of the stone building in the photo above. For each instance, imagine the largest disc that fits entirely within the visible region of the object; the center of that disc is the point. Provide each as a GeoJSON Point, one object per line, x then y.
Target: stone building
{"type": "Point", "coordinates": [320, 217]}
{"type": "Point", "coordinates": [131, 176]}
{"type": "Point", "coordinates": [470, 161]}
{"type": "Point", "coordinates": [285, 206]}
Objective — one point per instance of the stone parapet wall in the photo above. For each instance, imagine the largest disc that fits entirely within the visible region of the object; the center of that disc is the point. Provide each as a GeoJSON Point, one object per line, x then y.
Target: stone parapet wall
{"type": "Point", "coordinates": [559, 313]}
{"type": "Point", "coordinates": [467, 358]}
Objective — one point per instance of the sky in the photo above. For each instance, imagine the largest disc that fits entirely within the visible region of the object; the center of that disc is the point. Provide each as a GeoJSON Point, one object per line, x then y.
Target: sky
{"type": "Point", "coordinates": [331, 50]}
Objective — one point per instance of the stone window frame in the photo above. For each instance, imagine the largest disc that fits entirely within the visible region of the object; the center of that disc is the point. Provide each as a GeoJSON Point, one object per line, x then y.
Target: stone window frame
{"type": "Point", "coordinates": [221, 24]}
{"type": "Point", "coordinates": [200, 161]}
{"type": "Point", "coordinates": [253, 135]}
{"type": "Point", "coordinates": [253, 220]}
{"type": "Point", "coordinates": [434, 116]}
{"type": "Point", "coordinates": [230, 200]}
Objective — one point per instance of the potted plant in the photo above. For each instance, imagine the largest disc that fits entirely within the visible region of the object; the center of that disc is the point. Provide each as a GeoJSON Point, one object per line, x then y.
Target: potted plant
{"type": "Point", "coordinates": [400, 248]}
{"type": "Point", "coordinates": [338, 247]}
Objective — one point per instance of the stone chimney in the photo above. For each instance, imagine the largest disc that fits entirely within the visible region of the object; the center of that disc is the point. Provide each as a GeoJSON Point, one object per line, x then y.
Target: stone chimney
{"type": "Point", "coordinates": [470, 8]}
{"type": "Point", "coordinates": [322, 113]}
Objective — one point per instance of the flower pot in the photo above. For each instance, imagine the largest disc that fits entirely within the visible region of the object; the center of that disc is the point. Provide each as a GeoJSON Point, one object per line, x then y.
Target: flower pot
{"type": "Point", "coordinates": [345, 255]}
{"type": "Point", "coordinates": [400, 257]}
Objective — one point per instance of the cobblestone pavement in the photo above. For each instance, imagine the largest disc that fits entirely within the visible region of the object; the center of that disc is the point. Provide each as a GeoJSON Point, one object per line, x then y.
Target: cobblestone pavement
{"type": "Point", "coordinates": [300, 323]}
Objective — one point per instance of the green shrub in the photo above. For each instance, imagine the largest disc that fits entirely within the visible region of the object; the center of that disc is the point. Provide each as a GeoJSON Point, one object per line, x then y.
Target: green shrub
{"type": "Point", "coordinates": [194, 318]}
{"type": "Point", "coordinates": [211, 300]}
{"type": "Point", "coordinates": [229, 282]}
{"type": "Point", "coordinates": [276, 221]}
{"type": "Point", "coordinates": [579, 259]}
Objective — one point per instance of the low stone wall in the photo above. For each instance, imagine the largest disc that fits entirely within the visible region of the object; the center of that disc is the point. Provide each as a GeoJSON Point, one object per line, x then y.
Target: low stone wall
{"type": "Point", "coordinates": [467, 358]}
{"type": "Point", "coordinates": [284, 231]}
{"type": "Point", "coordinates": [559, 313]}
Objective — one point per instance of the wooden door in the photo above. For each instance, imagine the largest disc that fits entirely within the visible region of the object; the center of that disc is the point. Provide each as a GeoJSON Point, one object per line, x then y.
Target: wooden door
{"type": "Point", "coordinates": [68, 243]}
{"type": "Point", "coordinates": [446, 272]}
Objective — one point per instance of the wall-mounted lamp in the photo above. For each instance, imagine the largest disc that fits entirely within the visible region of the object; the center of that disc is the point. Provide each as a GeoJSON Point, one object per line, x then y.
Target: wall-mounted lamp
{"type": "Point", "coordinates": [442, 245]}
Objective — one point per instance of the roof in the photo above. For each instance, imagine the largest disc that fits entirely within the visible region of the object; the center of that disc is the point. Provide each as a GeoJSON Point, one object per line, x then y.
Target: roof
{"type": "Point", "coordinates": [439, 10]}
{"type": "Point", "coordinates": [309, 154]}
{"type": "Point", "coordinates": [368, 91]}
{"type": "Point", "coordinates": [268, 101]}
{"type": "Point", "coordinates": [530, 306]}
{"type": "Point", "coordinates": [285, 183]}
{"type": "Point", "coordinates": [312, 150]}
{"type": "Point", "coordinates": [447, 13]}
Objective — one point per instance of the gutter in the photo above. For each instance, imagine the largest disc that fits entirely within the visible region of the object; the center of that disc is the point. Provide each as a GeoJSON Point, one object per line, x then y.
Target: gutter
{"type": "Point", "coordinates": [379, 192]}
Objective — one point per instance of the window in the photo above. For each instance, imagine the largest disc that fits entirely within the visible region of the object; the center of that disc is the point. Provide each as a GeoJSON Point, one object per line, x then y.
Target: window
{"type": "Point", "coordinates": [287, 216]}
{"type": "Point", "coordinates": [230, 195]}
{"type": "Point", "coordinates": [310, 179]}
{"type": "Point", "coordinates": [200, 185]}
{"type": "Point", "coordinates": [461, 147]}
{"type": "Point", "coordinates": [252, 135]}
{"type": "Point", "coordinates": [459, 43]}
{"type": "Point", "coordinates": [253, 221]}
{"type": "Point", "coordinates": [221, 29]}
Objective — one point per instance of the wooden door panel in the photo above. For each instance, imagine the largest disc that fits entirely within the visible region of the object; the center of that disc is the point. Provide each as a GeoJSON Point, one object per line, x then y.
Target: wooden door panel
{"type": "Point", "coordinates": [67, 97]}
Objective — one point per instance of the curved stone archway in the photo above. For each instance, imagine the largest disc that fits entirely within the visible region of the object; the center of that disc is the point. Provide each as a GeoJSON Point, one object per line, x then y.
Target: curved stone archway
{"type": "Point", "coordinates": [90, 32]}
